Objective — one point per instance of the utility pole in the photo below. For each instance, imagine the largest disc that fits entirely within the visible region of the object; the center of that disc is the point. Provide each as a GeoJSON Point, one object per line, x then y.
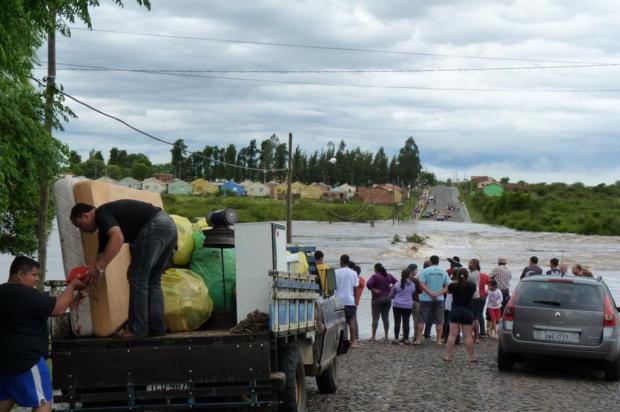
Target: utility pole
{"type": "Point", "coordinates": [289, 194]}
{"type": "Point", "coordinates": [49, 115]}
{"type": "Point", "coordinates": [372, 210]}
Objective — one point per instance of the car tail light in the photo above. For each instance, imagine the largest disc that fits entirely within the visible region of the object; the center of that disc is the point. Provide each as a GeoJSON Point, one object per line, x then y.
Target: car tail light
{"type": "Point", "coordinates": [509, 312]}
{"type": "Point", "coordinates": [609, 318]}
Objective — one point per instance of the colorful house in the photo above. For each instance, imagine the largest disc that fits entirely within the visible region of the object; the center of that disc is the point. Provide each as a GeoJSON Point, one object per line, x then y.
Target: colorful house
{"type": "Point", "coordinates": [299, 190]}
{"type": "Point", "coordinates": [153, 185]}
{"type": "Point", "coordinates": [131, 183]}
{"type": "Point", "coordinates": [164, 177]}
{"type": "Point", "coordinates": [380, 194]}
{"type": "Point", "coordinates": [179, 187]}
{"type": "Point", "coordinates": [323, 187]}
{"type": "Point", "coordinates": [203, 187]}
{"type": "Point", "coordinates": [493, 190]}
{"type": "Point", "coordinates": [233, 188]}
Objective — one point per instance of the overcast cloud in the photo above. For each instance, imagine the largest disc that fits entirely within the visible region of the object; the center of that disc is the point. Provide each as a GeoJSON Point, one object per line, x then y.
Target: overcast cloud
{"type": "Point", "coordinates": [536, 136]}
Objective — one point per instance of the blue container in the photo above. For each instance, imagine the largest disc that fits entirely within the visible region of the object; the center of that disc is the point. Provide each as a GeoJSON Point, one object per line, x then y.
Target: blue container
{"type": "Point", "coordinates": [292, 312]}
{"type": "Point", "coordinates": [301, 317]}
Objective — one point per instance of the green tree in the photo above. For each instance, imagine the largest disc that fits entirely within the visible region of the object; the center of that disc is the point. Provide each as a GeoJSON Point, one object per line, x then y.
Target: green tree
{"type": "Point", "coordinates": [409, 166]}
{"type": "Point", "coordinates": [178, 158]}
{"type": "Point", "coordinates": [380, 166]}
{"type": "Point", "coordinates": [115, 172]}
{"type": "Point", "coordinates": [140, 171]}
{"type": "Point", "coordinates": [230, 156]}
{"type": "Point", "coordinates": [74, 158]}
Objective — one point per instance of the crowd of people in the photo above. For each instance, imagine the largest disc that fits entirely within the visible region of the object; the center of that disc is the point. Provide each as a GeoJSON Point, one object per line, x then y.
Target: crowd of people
{"type": "Point", "coordinates": [462, 302]}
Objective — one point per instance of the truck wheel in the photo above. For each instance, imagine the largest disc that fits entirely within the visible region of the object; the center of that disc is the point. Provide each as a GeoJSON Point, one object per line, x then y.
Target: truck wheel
{"type": "Point", "coordinates": [504, 360]}
{"type": "Point", "coordinates": [327, 381]}
{"type": "Point", "coordinates": [612, 370]}
{"type": "Point", "coordinates": [293, 396]}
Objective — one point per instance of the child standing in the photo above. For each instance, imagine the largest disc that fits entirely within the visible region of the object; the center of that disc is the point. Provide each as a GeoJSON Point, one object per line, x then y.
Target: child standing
{"type": "Point", "coordinates": [494, 303]}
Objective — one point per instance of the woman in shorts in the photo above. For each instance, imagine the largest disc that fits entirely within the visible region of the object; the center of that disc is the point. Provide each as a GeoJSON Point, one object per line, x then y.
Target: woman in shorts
{"type": "Point", "coordinates": [461, 314]}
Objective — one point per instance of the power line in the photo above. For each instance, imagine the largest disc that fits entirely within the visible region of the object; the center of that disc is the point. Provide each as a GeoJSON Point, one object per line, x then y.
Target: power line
{"type": "Point", "coordinates": [81, 67]}
{"type": "Point", "coordinates": [362, 86]}
{"type": "Point", "coordinates": [319, 47]}
{"type": "Point", "coordinates": [159, 139]}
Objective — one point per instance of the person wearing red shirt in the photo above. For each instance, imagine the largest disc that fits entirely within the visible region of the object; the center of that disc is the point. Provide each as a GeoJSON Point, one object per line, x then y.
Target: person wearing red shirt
{"type": "Point", "coordinates": [357, 292]}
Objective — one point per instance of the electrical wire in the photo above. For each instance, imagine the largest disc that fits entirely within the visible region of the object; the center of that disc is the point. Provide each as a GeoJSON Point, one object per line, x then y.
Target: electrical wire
{"type": "Point", "coordinates": [369, 86]}
{"type": "Point", "coordinates": [319, 47]}
{"type": "Point", "coordinates": [82, 67]}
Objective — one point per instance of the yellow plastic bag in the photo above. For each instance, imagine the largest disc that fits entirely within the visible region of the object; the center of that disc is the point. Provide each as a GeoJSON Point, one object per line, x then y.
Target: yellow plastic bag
{"type": "Point", "coordinates": [185, 245]}
{"type": "Point", "coordinates": [187, 304]}
{"type": "Point", "coordinates": [301, 266]}
{"type": "Point", "coordinates": [200, 225]}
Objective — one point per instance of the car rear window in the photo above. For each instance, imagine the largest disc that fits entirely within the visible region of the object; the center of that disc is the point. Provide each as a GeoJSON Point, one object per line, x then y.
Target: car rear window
{"type": "Point", "coordinates": [574, 296]}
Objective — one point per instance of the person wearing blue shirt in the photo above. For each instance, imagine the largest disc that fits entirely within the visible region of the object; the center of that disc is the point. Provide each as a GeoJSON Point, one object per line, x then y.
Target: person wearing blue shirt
{"type": "Point", "coordinates": [434, 282]}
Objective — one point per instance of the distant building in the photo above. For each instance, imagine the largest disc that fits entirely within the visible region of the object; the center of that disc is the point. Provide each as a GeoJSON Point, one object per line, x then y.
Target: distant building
{"type": "Point", "coordinates": [323, 187]}
{"type": "Point", "coordinates": [204, 187]}
{"type": "Point", "coordinates": [299, 190]}
{"type": "Point", "coordinates": [380, 194]}
{"type": "Point", "coordinates": [493, 190]}
{"type": "Point", "coordinates": [164, 177]}
{"type": "Point", "coordinates": [131, 183]}
{"type": "Point", "coordinates": [107, 179]}
{"type": "Point", "coordinates": [334, 196]}
{"type": "Point", "coordinates": [272, 185]}
{"type": "Point", "coordinates": [233, 188]}
{"type": "Point", "coordinates": [153, 185]}
{"type": "Point", "coordinates": [179, 187]}
{"type": "Point", "coordinates": [256, 189]}
{"type": "Point", "coordinates": [346, 188]}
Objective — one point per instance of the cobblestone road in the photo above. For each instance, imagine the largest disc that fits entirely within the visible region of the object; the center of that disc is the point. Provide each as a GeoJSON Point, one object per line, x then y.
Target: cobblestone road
{"type": "Point", "coordinates": [384, 377]}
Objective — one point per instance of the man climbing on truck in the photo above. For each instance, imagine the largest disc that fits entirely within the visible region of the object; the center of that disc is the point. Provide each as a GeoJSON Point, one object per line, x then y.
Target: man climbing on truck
{"type": "Point", "coordinates": [152, 236]}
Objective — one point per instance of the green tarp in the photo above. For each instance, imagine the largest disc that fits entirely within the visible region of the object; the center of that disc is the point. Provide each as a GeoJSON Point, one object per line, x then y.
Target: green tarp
{"type": "Point", "coordinates": [207, 263]}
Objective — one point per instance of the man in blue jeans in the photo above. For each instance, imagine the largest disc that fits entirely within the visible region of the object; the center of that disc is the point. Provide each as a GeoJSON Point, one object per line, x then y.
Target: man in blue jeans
{"type": "Point", "coordinates": [152, 237]}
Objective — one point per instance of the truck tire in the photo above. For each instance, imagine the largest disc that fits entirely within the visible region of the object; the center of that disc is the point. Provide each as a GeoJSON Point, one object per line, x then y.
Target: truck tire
{"type": "Point", "coordinates": [505, 360]}
{"type": "Point", "coordinates": [327, 381]}
{"type": "Point", "coordinates": [293, 396]}
{"type": "Point", "coordinates": [612, 370]}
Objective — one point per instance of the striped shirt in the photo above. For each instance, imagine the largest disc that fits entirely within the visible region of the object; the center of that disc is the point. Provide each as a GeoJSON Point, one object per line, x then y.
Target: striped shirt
{"type": "Point", "coordinates": [502, 276]}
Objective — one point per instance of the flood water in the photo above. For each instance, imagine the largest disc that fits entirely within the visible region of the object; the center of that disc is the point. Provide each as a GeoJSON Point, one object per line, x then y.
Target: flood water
{"type": "Point", "coordinates": [367, 246]}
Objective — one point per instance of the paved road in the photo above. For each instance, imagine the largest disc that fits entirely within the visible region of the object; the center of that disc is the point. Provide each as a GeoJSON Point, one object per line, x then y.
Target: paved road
{"type": "Point", "coordinates": [385, 377]}
{"type": "Point", "coordinates": [445, 196]}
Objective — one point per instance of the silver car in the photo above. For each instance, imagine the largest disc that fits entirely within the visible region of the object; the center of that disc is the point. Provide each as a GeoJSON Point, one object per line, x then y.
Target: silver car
{"type": "Point", "coordinates": [571, 317]}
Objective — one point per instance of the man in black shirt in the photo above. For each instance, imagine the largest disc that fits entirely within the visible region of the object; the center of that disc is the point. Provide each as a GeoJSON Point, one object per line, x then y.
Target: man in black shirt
{"type": "Point", "coordinates": [24, 376]}
{"type": "Point", "coordinates": [152, 237]}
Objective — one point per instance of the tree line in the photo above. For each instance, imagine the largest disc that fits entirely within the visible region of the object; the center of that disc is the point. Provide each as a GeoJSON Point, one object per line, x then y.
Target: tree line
{"type": "Point", "coordinates": [270, 157]}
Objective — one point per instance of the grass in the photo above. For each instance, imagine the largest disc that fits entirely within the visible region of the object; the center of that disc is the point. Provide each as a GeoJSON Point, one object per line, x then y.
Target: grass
{"type": "Point", "coordinates": [259, 210]}
{"type": "Point", "coordinates": [555, 207]}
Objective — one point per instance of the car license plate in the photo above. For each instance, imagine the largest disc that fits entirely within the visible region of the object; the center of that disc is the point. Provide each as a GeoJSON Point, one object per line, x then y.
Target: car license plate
{"type": "Point", "coordinates": [556, 336]}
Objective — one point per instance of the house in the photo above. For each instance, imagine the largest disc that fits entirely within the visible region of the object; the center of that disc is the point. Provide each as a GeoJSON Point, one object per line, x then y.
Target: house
{"type": "Point", "coordinates": [323, 187]}
{"type": "Point", "coordinates": [164, 177]}
{"type": "Point", "coordinates": [482, 181]}
{"type": "Point", "coordinates": [380, 194]}
{"type": "Point", "coordinates": [334, 196]}
{"type": "Point", "coordinates": [298, 190]}
{"type": "Point", "coordinates": [179, 187]}
{"type": "Point", "coordinates": [153, 185]}
{"type": "Point", "coordinates": [346, 188]}
{"type": "Point", "coordinates": [202, 187]}
{"type": "Point", "coordinates": [272, 185]}
{"type": "Point", "coordinates": [256, 189]}
{"type": "Point", "coordinates": [130, 182]}
{"type": "Point", "coordinates": [493, 190]}
{"type": "Point", "coordinates": [107, 179]}
{"type": "Point", "coordinates": [233, 188]}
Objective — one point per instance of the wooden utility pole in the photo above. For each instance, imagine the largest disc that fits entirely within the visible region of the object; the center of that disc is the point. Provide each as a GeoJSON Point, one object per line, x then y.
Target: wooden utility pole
{"type": "Point", "coordinates": [289, 193]}
{"type": "Point", "coordinates": [49, 116]}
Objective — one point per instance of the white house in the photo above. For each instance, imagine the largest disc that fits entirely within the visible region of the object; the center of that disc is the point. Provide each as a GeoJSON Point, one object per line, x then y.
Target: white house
{"type": "Point", "coordinates": [154, 185]}
{"type": "Point", "coordinates": [107, 179]}
{"type": "Point", "coordinates": [346, 188]}
{"type": "Point", "coordinates": [256, 189]}
{"type": "Point", "coordinates": [131, 183]}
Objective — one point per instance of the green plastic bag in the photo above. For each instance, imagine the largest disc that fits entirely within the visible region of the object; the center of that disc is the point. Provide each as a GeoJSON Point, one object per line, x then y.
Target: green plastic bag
{"type": "Point", "coordinates": [207, 263]}
{"type": "Point", "coordinates": [186, 300]}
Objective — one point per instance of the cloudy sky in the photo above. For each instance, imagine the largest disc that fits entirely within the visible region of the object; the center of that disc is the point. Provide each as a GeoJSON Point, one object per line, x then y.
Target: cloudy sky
{"type": "Point", "coordinates": [554, 123]}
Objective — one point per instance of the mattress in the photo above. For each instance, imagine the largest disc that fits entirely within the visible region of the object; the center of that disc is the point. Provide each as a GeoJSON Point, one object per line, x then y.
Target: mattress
{"type": "Point", "coordinates": [70, 236]}
{"type": "Point", "coordinates": [109, 299]}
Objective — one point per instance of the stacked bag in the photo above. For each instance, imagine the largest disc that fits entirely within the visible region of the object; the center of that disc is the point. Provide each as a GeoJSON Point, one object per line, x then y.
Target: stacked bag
{"type": "Point", "coordinates": [192, 294]}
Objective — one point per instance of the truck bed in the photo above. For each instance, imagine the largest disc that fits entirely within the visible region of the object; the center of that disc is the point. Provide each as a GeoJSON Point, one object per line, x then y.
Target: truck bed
{"type": "Point", "coordinates": [202, 370]}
